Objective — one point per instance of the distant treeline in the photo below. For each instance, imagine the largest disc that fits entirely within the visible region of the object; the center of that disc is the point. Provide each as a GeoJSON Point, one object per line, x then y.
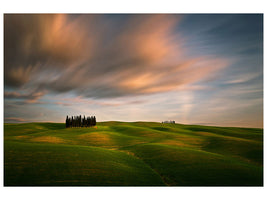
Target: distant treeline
{"type": "Point", "coordinates": [78, 121]}
{"type": "Point", "coordinates": [168, 122]}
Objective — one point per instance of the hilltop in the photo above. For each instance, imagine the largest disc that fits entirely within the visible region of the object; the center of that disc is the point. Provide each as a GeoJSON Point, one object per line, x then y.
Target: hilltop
{"type": "Point", "coordinates": [132, 154]}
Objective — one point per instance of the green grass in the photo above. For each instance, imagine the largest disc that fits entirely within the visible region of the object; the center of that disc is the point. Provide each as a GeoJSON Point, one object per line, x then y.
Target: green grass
{"type": "Point", "coordinates": [132, 154]}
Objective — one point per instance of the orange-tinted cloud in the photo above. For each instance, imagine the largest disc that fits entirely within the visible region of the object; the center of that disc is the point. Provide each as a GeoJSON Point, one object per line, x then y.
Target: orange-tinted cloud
{"type": "Point", "coordinates": [99, 56]}
{"type": "Point", "coordinates": [14, 119]}
{"type": "Point", "coordinates": [31, 97]}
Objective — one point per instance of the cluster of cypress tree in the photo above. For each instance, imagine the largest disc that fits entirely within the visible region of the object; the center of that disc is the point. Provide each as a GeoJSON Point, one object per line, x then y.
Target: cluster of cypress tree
{"type": "Point", "coordinates": [78, 121]}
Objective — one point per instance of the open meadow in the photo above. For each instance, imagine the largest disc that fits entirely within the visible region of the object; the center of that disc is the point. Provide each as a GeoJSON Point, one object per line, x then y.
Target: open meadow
{"type": "Point", "coordinates": [132, 154]}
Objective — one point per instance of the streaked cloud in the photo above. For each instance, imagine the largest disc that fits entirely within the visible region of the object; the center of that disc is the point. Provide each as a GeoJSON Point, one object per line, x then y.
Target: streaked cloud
{"type": "Point", "coordinates": [86, 55]}
{"type": "Point", "coordinates": [14, 119]}
{"type": "Point", "coordinates": [133, 67]}
{"type": "Point", "coordinates": [29, 97]}
{"type": "Point", "coordinates": [242, 78]}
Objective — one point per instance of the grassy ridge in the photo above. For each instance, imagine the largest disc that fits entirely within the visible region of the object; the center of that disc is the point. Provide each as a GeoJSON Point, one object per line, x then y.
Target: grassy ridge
{"type": "Point", "coordinates": [132, 154]}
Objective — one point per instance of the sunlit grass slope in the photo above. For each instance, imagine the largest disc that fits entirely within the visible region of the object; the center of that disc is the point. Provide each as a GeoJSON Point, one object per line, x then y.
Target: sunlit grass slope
{"type": "Point", "coordinates": [132, 154]}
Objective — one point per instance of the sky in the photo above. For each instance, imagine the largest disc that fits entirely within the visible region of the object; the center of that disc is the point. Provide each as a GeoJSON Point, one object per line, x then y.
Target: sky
{"type": "Point", "coordinates": [192, 68]}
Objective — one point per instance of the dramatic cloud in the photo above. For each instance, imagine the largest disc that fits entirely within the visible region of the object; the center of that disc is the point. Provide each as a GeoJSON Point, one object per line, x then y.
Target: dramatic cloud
{"type": "Point", "coordinates": [14, 119]}
{"type": "Point", "coordinates": [93, 57]}
{"type": "Point", "coordinates": [191, 68]}
{"type": "Point", "coordinates": [29, 98]}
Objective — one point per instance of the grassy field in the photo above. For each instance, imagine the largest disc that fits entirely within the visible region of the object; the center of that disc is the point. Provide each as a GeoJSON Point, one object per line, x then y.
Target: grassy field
{"type": "Point", "coordinates": [132, 154]}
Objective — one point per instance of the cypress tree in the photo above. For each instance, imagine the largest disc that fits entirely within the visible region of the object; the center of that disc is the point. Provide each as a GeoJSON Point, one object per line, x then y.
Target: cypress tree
{"type": "Point", "coordinates": [72, 121]}
{"type": "Point", "coordinates": [83, 121]}
{"type": "Point", "coordinates": [94, 121]}
{"type": "Point", "coordinates": [67, 122]}
{"type": "Point", "coordinates": [89, 121]}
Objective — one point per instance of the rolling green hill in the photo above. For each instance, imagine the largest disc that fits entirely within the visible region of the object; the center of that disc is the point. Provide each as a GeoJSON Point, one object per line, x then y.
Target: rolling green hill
{"type": "Point", "coordinates": [132, 154]}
